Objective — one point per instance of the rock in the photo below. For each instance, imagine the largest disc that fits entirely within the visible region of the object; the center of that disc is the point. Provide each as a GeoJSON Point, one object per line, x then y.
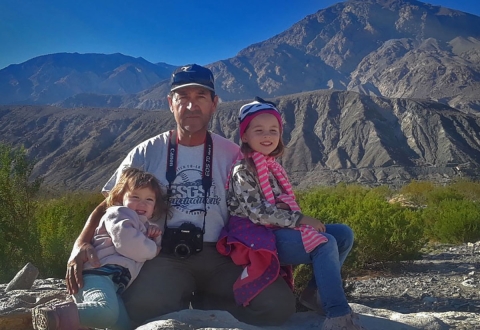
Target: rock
{"type": "Point", "coordinates": [196, 319]}
{"type": "Point", "coordinates": [16, 305]}
{"type": "Point", "coordinates": [21, 321]}
{"type": "Point", "coordinates": [24, 278]}
{"type": "Point", "coordinates": [428, 294]}
{"type": "Point", "coordinates": [442, 281]}
{"type": "Point", "coordinates": [372, 319]}
{"type": "Point", "coordinates": [429, 300]}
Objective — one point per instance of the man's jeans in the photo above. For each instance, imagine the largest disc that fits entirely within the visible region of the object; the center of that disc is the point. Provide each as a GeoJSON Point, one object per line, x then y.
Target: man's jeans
{"type": "Point", "coordinates": [165, 284]}
{"type": "Point", "coordinates": [327, 260]}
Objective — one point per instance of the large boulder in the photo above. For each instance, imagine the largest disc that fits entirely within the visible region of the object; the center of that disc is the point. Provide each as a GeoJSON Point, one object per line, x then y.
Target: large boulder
{"type": "Point", "coordinates": [16, 305]}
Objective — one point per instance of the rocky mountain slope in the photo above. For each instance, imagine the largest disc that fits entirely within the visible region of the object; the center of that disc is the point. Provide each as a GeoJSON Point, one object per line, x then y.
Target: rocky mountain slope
{"type": "Point", "coordinates": [391, 48]}
{"type": "Point", "coordinates": [331, 137]}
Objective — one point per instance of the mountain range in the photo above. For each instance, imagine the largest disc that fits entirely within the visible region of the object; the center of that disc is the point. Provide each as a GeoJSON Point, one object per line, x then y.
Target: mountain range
{"type": "Point", "coordinates": [391, 48]}
{"type": "Point", "coordinates": [52, 78]}
{"type": "Point", "coordinates": [371, 91]}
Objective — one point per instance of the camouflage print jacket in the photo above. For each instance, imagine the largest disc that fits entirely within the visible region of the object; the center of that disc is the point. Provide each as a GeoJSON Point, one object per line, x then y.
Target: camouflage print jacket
{"type": "Point", "coordinates": [245, 199]}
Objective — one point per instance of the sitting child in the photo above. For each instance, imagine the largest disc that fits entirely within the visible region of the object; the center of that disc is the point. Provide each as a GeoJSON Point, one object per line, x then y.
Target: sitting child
{"type": "Point", "coordinates": [259, 192]}
{"type": "Point", "coordinates": [124, 240]}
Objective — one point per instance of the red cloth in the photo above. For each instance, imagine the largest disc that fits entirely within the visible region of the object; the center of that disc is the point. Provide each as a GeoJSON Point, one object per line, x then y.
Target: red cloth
{"type": "Point", "coordinates": [253, 247]}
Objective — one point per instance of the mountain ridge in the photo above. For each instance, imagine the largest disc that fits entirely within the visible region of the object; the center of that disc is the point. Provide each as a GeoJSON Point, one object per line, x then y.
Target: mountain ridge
{"type": "Point", "coordinates": [331, 137]}
{"type": "Point", "coordinates": [51, 78]}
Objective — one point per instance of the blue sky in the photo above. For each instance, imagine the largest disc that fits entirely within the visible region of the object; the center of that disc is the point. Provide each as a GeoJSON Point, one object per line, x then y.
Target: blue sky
{"type": "Point", "coordinates": [175, 32]}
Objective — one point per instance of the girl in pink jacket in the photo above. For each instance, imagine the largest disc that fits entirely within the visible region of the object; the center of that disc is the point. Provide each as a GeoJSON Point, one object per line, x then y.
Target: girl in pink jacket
{"type": "Point", "coordinates": [124, 240]}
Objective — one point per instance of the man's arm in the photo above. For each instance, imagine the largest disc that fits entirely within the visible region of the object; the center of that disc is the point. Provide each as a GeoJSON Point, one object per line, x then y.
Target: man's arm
{"type": "Point", "coordinates": [83, 251]}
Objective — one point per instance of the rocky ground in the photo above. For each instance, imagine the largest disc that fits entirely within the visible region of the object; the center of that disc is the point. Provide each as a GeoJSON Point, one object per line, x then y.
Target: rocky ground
{"type": "Point", "coordinates": [447, 278]}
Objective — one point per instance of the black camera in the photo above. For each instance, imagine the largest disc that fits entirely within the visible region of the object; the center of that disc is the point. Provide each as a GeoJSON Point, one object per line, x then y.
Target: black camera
{"type": "Point", "coordinates": [182, 241]}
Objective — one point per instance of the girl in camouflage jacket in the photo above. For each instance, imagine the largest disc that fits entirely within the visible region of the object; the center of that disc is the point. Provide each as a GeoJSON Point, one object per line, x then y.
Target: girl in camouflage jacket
{"type": "Point", "coordinates": [259, 190]}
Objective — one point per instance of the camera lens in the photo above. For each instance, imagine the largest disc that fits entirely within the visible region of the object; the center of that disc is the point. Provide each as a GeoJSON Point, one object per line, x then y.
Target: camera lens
{"type": "Point", "coordinates": [182, 251]}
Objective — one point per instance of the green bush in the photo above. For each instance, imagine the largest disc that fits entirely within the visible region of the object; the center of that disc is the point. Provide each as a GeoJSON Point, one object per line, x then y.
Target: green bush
{"type": "Point", "coordinates": [441, 194]}
{"type": "Point", "coordinates": [383, 231]}
{"type": "Point", "coordinates": [450, 212]}
{"type": "Point", "coordinates": [302, 275]}
{"type": "Point", "coordinates": [468, 189]}
{"type": "Point", "coordinates": [453, 221]}
{"type": "Point", "coordinates": [59, 222]}
{"type": "Point", "coordinates": [18, 238]}
{"type": "Point", "coordinates": [331, 204]}
{"type": "Point", "coordinates": [417, 191]}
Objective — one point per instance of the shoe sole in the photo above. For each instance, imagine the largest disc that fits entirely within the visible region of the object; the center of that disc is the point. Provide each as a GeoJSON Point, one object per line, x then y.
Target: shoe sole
{"type": "Point", "coordinates": [41, 320]}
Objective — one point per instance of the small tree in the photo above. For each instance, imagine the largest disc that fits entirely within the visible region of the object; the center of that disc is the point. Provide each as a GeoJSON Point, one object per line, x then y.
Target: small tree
{"type": "Point", "coordinates": [58, 222]}
{"type": "Point", "coordinates": [18, 240]}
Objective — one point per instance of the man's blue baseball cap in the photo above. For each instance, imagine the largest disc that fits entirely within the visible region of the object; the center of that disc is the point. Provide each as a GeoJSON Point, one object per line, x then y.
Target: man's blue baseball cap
{"type": "Point", "coordinates": [192, 75]}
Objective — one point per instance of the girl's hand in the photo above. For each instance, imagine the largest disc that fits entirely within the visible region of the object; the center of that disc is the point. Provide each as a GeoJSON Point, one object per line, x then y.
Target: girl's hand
{"type": "Point", "coordinates": [282, 206]}
{"type": "Point", "coordinates": [153, 231]}
{"type": "Point", "coordinates": [315, 223]}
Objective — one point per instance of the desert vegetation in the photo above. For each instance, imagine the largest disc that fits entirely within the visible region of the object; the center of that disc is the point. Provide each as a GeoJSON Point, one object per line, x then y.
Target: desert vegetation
{"type": "Point", "coordinates": [389, 224]}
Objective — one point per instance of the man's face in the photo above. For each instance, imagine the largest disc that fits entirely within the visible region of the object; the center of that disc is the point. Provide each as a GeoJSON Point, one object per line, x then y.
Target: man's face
{"type": "Point", "coordinates": [192, 108]}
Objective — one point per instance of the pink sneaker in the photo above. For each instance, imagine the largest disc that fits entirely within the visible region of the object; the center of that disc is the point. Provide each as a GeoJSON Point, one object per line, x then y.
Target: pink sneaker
{"type": "Point", "coordinates": [63, 316]}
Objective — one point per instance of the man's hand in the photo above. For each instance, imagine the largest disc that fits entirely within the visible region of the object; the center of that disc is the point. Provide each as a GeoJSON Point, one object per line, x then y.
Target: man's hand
{"type": "Point", "coordinates": [80, 255]}
{"type": "Point", "coordinates": [316, 224]}
{"type": "Point", "coordinates": [83, 251]}
{"type": "Point", "coordinates": [283, 206]}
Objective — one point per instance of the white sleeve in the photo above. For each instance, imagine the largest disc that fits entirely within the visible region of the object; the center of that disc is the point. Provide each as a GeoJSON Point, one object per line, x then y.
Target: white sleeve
{"type": "Point", "coordinates": [135, 158]}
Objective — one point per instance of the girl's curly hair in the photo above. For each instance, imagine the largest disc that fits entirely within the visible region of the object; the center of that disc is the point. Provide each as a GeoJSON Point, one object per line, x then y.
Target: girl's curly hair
{"type": "Point", "coordinates": [134, 178]}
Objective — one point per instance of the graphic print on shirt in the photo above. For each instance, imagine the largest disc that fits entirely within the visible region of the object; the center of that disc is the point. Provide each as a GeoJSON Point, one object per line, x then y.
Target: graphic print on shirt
{"type": "Point", "coordinates": [187, 191]}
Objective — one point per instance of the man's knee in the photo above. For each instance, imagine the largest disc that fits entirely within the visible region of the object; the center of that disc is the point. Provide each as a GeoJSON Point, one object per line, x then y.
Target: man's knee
{"type": "Point", "coordinates": [159, 289]}
{"type": "Point", "coordinates": [274, 305]}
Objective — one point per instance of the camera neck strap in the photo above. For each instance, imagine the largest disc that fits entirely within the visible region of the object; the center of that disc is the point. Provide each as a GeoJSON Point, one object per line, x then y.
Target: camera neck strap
{"type": "Point", "coordinates": [206, 170]}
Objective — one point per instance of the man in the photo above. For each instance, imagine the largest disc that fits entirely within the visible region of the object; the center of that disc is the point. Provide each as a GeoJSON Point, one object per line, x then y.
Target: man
{"type": "Point", "coordinates": [194, 165]}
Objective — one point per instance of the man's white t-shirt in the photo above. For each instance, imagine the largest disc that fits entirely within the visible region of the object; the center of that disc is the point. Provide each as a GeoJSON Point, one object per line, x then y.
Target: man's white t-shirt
{"type": "Point", "coordinates": [187, 192]}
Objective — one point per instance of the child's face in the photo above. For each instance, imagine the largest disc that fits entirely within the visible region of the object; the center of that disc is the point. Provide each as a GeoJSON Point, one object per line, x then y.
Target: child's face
{"type": "Point", "coordinates": [140, 200]}
{"type": "Point", "coordinates": [263, 133]}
